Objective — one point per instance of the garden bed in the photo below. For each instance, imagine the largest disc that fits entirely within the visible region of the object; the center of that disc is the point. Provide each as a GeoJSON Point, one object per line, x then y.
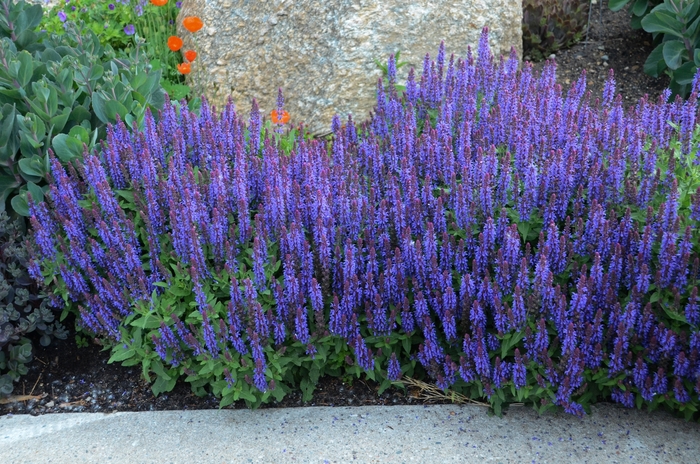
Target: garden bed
{"type": "Point", "coordinates": [66, 378]}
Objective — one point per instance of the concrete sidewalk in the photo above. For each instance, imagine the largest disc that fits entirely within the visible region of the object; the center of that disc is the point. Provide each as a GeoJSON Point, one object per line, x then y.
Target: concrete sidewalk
{"type": "Point", "coordinates": [394, 434]}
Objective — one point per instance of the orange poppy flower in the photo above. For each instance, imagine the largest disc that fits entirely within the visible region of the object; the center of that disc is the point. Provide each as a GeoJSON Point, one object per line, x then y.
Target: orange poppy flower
{"type": "Point", "coordinates": [192, 23]}
{"type": "Point", "coordinates": [190, 55]}
{"type": "Point", "coordinates": [174, 43]}
{"type": "Point", "coordinates": [184, 68]}
{"type": "Point", "coordinates": [281, 119]}
{"type": "Point", "coordinates": [159, 2]}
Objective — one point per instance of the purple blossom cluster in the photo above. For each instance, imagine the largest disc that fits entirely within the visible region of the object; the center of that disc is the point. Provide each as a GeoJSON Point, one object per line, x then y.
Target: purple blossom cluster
{"type": "Point", "coordinates": [480, 203]}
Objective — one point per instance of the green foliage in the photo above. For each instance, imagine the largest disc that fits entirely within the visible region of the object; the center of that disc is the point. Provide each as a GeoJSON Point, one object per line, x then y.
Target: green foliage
{"type": "Point", "coordinates": [19, 21]}
{"type": "Point", "coordinates": [80, 341]}
{"type": "Point", "coordinates": [59, 97]}
{"type": "Point", "coordinates": [108, 19]}
{"type": "Point", "coordinates": [675, 26]}
{"type": "Point", "coordinates": [385, 72]}
{"type": "Point", "coordinates": [97, 16]}
{"type": "Point", "coordinates": [22, 309]}
{"type": "Point", "coordinates": [552, 25]}
{"type": "Point", "coordinates": [638, 8]}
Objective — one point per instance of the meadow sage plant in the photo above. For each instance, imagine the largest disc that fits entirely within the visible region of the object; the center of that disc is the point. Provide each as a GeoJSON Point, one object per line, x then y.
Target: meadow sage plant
{"type": "Point", "coordinates": [485, 230]}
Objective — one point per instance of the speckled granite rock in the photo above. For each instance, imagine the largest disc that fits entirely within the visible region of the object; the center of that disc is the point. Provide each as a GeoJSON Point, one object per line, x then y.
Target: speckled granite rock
{"type": "Point", "coordinates": [322, 52]}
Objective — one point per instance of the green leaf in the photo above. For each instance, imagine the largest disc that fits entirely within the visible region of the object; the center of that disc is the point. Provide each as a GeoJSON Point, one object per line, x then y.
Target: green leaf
{"type": "Point", "coordinates": [226, 400]}
{"type": "Point", "coordinates": [149, 321]}
{"type": "Point", "coordinates": [59, 121]}
{"type": "Point", "coordinates": [690, 10]}
{"type": "Point", "coordinates": [96, 72]}
{"type": "Point", "coordinates": [33, 166]}
{"type": "Point", "coordinates": [121, 354]}
{"type": "Point", "coordinates": [524, 229]}
{"type": "Point", "coordinates": [385, 384]}
{"type": "Point", "coordinates": [674, 52]}
{"type": "Point", "coordinates": [617, 5]}
{"type": "Point", "coordinates": [8, 185]}
{"type": "Point", "coordinates": [655, 63]}
{"type": "Point", "coordinates": [159, 370]}
{"type": "Point", "coordinates": [19, 204]}
{"type": "Point", "coordinates": [685, 74]}
{"type": "Point", "coordinates": [509, 342]}
{"type": "Point", "coordinates": [30, 17]}
{"type": "Point", "coordinates": [80, 114]}
{"type": "Point", "coordinates": [66, 147]}
{"type": "Point", "coordinates": [639, 7]}
{"type": "Point", "coordinates": [26, 69]}
{"type": "Point", "coordinates": [662, 20]}
{"type": "Point", "coordinates": [80, 133]}
{"type": "Point", "coordinates": [176, 92]}
{"type": "Point", "coordinates": [151, 83]}
{"type": "Point", "coordinates": [161, 385]}
{"type": "Point", "coordinates": [114, 108]}
{"type": "Point", "coordinates": [307, 388]}
{"type": "Point", "coordinates": [176, 290]}
{"type": "Point", "coordinates": [99, 107]}
{"type": "Point", "coordinates": [693, 30]}
{"type": "Point", "coordinates": [406, 343]}
{"type": "Point", "coordinates": [674, 315]}
{"type": "Point", "coordinates": [36, 192]}
{"type": "Point", "coordinates": [128, 195]}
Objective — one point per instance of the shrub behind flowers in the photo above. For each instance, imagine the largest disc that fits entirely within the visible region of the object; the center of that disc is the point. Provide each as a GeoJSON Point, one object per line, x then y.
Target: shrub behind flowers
{"type": "Point", "coordinates": [485, 231]}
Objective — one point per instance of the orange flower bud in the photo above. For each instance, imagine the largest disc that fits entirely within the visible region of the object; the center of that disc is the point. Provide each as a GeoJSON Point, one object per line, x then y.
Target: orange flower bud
{"type": "Point", "coordinates": [192, 23]}
{"type": "Point", "coordinates": [190, 55]}
{"type": "Point", "coordinates": [174, 43]}
{"type": "Point", "coordinates": [281, 119]}
{"type": "Point", "coordinates": [159, 2]}
{"type": "Point", "coordinates": [184, 68]}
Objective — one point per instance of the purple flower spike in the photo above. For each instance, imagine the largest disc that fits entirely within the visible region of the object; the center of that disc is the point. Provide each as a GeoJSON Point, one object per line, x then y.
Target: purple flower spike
{"type": "Point", "coordinates": [394, 368]}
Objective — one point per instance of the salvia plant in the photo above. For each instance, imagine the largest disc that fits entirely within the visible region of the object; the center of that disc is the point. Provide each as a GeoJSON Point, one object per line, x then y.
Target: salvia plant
{"type": "Point", "coordinates": [485, 230]}
{"type": "Point", "coordinates": [552, 25]}
{"type": "Point", "coordinates": [24, 312]}
{"type": "Point", "coordinates": [59, 92]}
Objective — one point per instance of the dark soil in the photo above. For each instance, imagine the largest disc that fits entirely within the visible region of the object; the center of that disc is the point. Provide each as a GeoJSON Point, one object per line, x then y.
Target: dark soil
{"type": "Point", "coordinates": [611, 44]}
{"type": "Point", "coordinates": [65, 378]}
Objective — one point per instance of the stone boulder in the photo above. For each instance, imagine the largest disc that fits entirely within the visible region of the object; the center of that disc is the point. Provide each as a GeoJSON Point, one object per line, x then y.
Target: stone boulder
{"type": "Point", "coordinates": [322, 53]}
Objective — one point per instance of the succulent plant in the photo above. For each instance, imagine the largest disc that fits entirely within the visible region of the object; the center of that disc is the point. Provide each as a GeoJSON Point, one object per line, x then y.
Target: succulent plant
{"type": "Point", "coordinates": [23, 309]}
{"type": "Point", "coordinates": [552, 25]}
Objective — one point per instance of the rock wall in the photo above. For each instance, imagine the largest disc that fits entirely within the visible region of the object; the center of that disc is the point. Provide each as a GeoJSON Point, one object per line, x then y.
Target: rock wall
{"type": "Point", "coordinates": [322, 53]}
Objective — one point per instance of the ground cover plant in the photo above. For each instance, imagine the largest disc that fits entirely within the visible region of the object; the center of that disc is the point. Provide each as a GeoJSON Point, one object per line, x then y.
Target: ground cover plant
{"type": "Point", "coordinates": [24, 311]}
{"type": "Point", "coordinates": [484, 230]}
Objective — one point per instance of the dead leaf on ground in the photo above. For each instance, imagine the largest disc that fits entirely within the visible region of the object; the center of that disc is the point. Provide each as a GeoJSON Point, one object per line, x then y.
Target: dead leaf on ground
{"type": "Point", "coordinates": [18, 398]}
